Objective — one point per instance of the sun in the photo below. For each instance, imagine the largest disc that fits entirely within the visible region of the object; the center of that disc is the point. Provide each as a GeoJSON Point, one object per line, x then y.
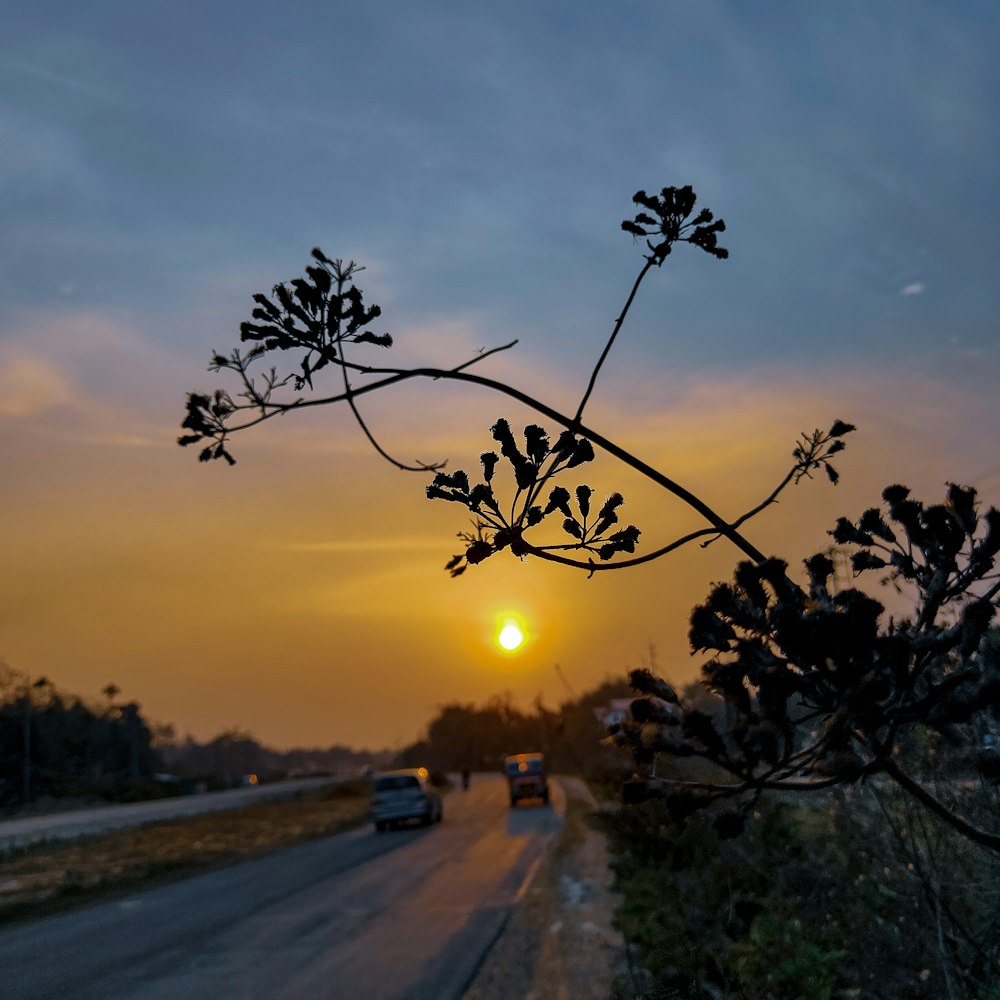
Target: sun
{"type": "Point", "coordinates": [510, 637]}
{"type": "Point", "coordinates": [511, 633]}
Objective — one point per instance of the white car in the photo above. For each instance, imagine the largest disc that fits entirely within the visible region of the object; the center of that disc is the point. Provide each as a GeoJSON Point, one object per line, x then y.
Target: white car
{"type": "Point", "coordinates": [399, 796]}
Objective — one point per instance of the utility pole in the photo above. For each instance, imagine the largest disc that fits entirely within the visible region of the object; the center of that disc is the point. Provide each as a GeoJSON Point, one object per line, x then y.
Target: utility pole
{"type": "Point", "coordinates": [26, 732]}
{"type": "Point", "coordinates": [131, 713]}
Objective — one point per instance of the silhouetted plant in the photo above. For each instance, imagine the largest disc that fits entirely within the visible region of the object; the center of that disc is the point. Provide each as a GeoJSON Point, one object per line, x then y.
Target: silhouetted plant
{"type": "Point", "coordinates": [819, 686]}
{"type": "Point", "coordinates": [322, 319]}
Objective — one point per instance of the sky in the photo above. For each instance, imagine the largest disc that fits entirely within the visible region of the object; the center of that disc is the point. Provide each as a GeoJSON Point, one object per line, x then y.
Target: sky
{"type": "Point", "coordinates": [161, 162]}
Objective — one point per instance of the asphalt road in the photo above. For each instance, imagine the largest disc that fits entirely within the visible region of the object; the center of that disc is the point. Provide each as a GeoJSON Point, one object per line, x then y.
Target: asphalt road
{"type": "Point", "coordinates": [404, 915]}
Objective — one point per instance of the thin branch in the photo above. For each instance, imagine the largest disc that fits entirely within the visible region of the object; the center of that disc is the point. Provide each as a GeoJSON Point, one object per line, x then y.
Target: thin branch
{"type": "Point", "coordinates": [422, 467]}
{"type": "Point", "coordinates": [614, 333]}
{"type": "Point", "coordinates": [543, 552]}
{"type": "Point", "coordinates": [349, 394]}
{"type": "Point", "coordinates": [748, 785]}
{"type": "Point", "coordinates": [765, 503]}
{"type": "Point", "coordinates": [911, 849]}
{"type": "Point", "coordinates": [483, 354]}
{"type": "Point", "coordinates": [978, 836]}
{"type": "Point", "coordinates": [397, 375]}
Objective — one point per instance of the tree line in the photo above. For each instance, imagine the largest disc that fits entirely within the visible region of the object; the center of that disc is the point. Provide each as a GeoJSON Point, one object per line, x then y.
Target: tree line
{"type": "Point", "coordinates": [55, 744]}
{"type": "Point", "coordinates": [478, 736]}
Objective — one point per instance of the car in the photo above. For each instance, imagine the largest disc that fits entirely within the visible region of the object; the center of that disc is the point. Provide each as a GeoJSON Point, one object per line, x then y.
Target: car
{"type": "Point", "coordinates": [525, 773]}
{"type": "Point", "coordinates": [404, 795]}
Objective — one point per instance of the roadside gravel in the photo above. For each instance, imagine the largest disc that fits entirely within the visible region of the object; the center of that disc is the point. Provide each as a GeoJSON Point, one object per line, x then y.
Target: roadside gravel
{"type": "Point", "coordinates": [559, 943]}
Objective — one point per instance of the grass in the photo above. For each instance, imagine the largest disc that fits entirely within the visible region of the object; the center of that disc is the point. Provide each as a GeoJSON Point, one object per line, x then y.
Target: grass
{"type": "Point", "coordinates": [50, 878]}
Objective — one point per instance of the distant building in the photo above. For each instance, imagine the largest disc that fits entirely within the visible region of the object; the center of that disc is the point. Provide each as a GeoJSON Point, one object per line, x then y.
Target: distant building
{"type": "Point", "coordinates": [614, 713]}
{"type": "Point", "coordinates": [617, 711]}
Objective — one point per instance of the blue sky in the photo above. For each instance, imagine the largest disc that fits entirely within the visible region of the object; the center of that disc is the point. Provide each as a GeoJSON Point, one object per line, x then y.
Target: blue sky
{"type": "Point", "coordinates": [852, 147]}
{"type": "Point", "coordinates": [159, 162]}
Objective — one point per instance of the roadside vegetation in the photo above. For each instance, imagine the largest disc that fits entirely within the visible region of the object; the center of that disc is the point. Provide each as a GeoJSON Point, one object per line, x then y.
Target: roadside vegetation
{"type": "Point", "coordinates": [59, 745]}
{"type": "Point", "coordinates": [857, 892]}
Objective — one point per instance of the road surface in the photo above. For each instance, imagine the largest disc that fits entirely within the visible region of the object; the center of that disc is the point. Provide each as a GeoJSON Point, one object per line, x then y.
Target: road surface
{"type": "Point", "coordinates": [404, 915]}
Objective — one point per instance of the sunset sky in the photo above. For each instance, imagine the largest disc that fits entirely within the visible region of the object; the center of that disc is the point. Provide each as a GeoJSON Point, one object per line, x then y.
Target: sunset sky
{"type": "Point", "coordinates": [161, 162]}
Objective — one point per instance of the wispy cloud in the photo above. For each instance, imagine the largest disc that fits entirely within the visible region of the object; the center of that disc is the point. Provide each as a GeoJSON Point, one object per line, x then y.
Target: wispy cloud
{"type": "Point", "coordinates": [365, 545]}
{"type": "Point", "coordinates": [917, 288]}
{"type": "Point", "coordinates": [124, 440]}
{"type": "Point", "coordinates": [36, 71]}
{"type": "Point", "coordinates": [35, 153]}
{"type": "Point", "coordinates": [32, 385]}
{"type": "Point", "coordinates": [89, 378]}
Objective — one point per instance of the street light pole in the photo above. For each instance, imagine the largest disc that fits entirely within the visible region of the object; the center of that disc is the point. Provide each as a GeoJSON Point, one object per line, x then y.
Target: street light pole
{"type": "Point", "coordinates": [26, 733]}
{"type": "Point", "coordinates": [26, 730]}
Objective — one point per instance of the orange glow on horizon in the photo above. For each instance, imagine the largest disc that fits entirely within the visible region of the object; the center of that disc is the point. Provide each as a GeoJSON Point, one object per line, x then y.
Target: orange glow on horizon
{"type": "Point", "coordinates": [322, 612]}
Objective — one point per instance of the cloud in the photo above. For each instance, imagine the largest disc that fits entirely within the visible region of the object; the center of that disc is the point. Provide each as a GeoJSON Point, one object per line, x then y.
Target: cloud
{"type": "Point", "coordinates": [90, 379]}
{"type": "Point", "coordinates": [34, 71]}
{"type": "Point", "coordinates": [41, 162]}
{"type": "Point", "coordinates": [44, 365]}
{"type": "Point", "coordinates": [731, 434]}
{"type": "Point", "coordinates": [30, 385]}
{"type": "Point", "coordinates": [444, 342]}
{"type": "Point", "coordinates": [366, 545]}
{"type": "Point", "coordinates": [916, 288]}
{"type": "Point", "coordinates": [123, 440]}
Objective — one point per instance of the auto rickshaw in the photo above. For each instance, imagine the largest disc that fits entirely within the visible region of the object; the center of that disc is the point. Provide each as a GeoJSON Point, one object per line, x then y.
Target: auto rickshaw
{"type": "Point", "coordinates": [525, 773]}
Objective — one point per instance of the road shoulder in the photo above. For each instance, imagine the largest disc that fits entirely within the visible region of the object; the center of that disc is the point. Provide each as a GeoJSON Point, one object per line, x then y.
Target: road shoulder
{"type": "Point", "coordinates": [559, 943]}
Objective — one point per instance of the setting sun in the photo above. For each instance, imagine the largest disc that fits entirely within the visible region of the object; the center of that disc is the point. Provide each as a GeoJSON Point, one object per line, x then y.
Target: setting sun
{"type": "Point", "coordinates": [511, 634]}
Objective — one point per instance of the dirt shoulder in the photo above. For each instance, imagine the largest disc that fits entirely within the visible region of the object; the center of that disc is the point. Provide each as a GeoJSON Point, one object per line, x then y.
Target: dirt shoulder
{"type": "Point", "coordinates": [558, 943]}
{"type": "Point", "coordinates": [52, 820]}
{"type": "Point", "coordinates": [50, 878]}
